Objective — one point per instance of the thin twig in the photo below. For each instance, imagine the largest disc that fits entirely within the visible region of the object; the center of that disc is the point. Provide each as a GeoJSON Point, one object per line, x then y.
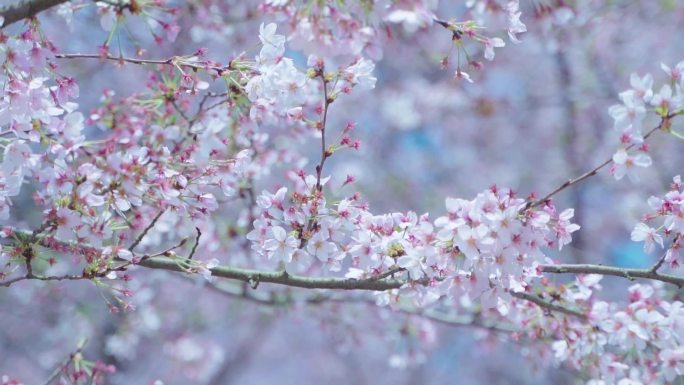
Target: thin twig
{"type": "Point", "coordinates": [197, 239]}
{"type": "Point", "coordinates": [149, 227]}
{"type": "Point", "coordinates": [66, 362]}
{"type": "Point", "coordinates": [389, 273]}
{"type": "Point", "coordinates": [548, 305]}
{"type": "Point", "coordinates": [174, 61]}
{"type": "Point", "coordinates": [570, 182]}
{"type": "Point", "coordinates": [181, 112]}
{"type": "Point", "coordinates": [661, 260]}
{"type": "Point", "coordinates": [324, 118]}
{"type": "Point", "coordinates": [45, 278]}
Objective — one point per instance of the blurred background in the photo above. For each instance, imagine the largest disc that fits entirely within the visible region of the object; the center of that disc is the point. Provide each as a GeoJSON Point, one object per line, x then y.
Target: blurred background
{"type": "Point", "coordinates": [534, 117]}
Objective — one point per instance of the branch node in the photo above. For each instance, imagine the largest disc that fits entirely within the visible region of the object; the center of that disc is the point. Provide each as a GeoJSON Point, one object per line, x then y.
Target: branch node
{"type": "Point", "coordinates": [254, 282]}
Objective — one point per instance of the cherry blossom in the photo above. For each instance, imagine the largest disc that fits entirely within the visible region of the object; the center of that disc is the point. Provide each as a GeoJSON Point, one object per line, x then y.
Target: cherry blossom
{"type": "Point", "coordinates": [625, 164]}
{"type": "Point", "coordinates": [215, 153]}
{"type": "Point", "coordinates": [281, 246]}
{"type": "Point", "coordinates": [648, 235]}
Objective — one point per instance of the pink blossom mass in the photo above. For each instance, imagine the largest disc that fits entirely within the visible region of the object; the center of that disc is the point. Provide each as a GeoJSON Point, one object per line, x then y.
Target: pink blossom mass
{"type": "Point", "coordinates": [341, 192]}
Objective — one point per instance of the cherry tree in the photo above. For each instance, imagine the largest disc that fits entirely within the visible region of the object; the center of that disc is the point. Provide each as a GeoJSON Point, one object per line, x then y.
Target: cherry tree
{"type": "Point", "coordinates": [165, 159]}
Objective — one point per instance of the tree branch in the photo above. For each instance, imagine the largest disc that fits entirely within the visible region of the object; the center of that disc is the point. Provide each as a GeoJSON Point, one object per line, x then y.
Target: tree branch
{"type": "Point", "coordinates": [25, 9]}
{"type": "Point", "coordinates": [279, 277]}
{"type": "Point", "coordinates": [661, 260]}
{"type": "Point", "coordinates": [322, 123]}
{"type": "Point", "coordinates": [277, 299]}
{"type": "Point", "coordinates": [66, 362]}
{"type": "Point", "coordinates": [570, 182]}
{"type": "Point", "coordinates": [630, 274]}
{"type": "Point", "coordinates": [147, 229]}
{"type": "Point", "coordinates": [9, 282]}
{"type": "Point", "coordinates": [544, 304]}
{"type": "Point", "coordinates": [197, 239]}
{"type": "Point", "coordinates": [255, 277]}
{"type": "Point", "coordinates": [178, 61]}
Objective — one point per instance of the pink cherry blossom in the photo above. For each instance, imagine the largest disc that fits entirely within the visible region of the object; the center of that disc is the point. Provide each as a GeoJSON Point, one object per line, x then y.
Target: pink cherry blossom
{"type": "Point", "coordinates": [648, 235]}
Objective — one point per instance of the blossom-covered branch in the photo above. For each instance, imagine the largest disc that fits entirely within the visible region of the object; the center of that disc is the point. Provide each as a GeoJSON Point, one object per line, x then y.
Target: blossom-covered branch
{"type": "Point", "coordinates": [664, 122]}
{"type": "Point", "coordinates": [190, 62]}
{"type": "Point", "coordinates": [160, 178]}
{"type": "Point", "coordinates": [380, 283]}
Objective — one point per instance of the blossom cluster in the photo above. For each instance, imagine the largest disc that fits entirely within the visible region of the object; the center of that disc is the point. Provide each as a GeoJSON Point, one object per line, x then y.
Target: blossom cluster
{"type": "Point", "coordinates": [630, 115]}
{"type": "Point", "coordinates": [357, 27]}
{"type": "Point", "coordinates": [35, 107]}
{"type": "Point", "coordinates": [167, 163]}
{"type": "Point", "coordinates": [351, 28]}
{"type": "Point", "coordinates": [100, 192]}
{"type": "Point", "coordinates": [482, 249]}
{"type": "Point", "coordinates": [669, 210]}
{"type": "Point", "coordinates": [636, 344]}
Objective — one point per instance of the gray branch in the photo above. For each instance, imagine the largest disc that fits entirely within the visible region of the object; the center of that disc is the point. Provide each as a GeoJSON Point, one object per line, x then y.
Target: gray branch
{"type": "Point", "coordinates": [630, 274]}
{"type": "Point", "coordinates": [25, 9]}
{"type": "Point", "coordinates": [277, 299]}
{"type": "Point", "coordinates": [382, 283]}
{"type": "Point", "coordinates": [254, 277]}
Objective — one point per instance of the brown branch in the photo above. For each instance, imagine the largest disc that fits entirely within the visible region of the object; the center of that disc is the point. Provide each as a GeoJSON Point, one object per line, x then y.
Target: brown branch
{"type": "Point", "coordinates": [180, 111]}
{"type": "Point", "coordinates": [570, 182]}
{"type": "Point", "coordinates": [173, 61]}
{"type": "Point", "coordinates": [200, 108]}
{"type": "Point", "coordinates": [66, 362]}
{"type": "Point", "coordinates": [548, 305]}
{"type": "Point", "coordinates": [322, 123]}
{"type": "Point", "coordinates": [197, 239]}
{"type": "Point", "coordinates": [25, 9]}
{"type": "Point", "coordinates": [147, 229]}
{"type": "Point", "coordinates": [9, 282]}
{"type": "Point", "coordinates": [389, 273]}
{"type": "Point", "coordinates": [661, 260]}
